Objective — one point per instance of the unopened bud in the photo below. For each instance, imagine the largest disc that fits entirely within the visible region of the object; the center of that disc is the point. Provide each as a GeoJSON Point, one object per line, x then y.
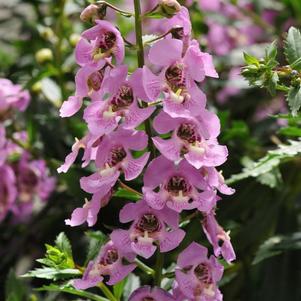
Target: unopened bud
{"type": "Point", "coordinates": [74, 38]}
{"type": "Point", "coordinates": [44, 55]}
{"type": "Point", "coordinates": [169, 7]}
{"type": "Point", "coordinates": [93, 12]}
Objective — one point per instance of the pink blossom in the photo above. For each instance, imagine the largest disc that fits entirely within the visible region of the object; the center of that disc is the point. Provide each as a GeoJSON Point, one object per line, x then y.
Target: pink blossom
{"type": "Point", "coordinates": [98, 43]}
{"type": "Point", "coordinates": [219, 239]}
{"type": "Point", "coordinates": [103, 116]}
{"type": "Point", "coordinates": [88, 213]}
{"type": "Point", "coordinates": [179, 186]}
{"type": "Point", "coordinates": [109, 262]}
{"type": "Point", "coordinates": [147, 293]}
{"type": "Point", "coordinates": [148, 229]}
{"type": "Point", "coordinates": [191, 138]}
{"type": "Point", "coordinates": [197, 275]}
{"type": "Point", "coordinates": [114, 156]}
{"type": "Point", "coordinates": [12, 96]}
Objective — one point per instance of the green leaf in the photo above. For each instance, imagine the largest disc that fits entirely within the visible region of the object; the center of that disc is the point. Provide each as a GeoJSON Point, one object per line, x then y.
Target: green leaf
{"type": "Point", "coordinates": [293, 45]}
{"type": "Point", "coordinates": [270, 161]}
{"type": "Point", "coordinates": [62, 242]}
{"type": "Point", "coordinates": [291, 131]}
{"type": "Point", "coordinates": [71, 290]}
{"type": "Point", "coordinates": [271, 179]}
{"type": "Point", "coordinates": [122, 193]}
{"type": "Point", "coordinates": [96, 240]}
{"type": "Point", "coordinates": [53, 273]}
{"type": "Point", "coordinates": [294, 99]}
{"type": "Point", "coordinates": [250, 59]}
{"type": "Point", "coordinates": [119, 288]}
{"type": "Point", "coordinates": [277, 245]}
{"type": "Point", "coordinates": [271, 52]}
{"type": "Point", "coordinates": [15, 290]}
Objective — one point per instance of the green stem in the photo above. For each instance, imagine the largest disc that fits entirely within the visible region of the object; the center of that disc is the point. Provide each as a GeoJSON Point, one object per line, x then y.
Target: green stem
{"type": "Point", "coordinates": [107, 292]}
{"type": "Point", "coordinates": [140, 58]}
{"type": "Point", "coordinates": [159, 268]}
{"type": "Point", "coordinates": [122, 12]}
{"type": "Point", "coordinates": [142, 266]}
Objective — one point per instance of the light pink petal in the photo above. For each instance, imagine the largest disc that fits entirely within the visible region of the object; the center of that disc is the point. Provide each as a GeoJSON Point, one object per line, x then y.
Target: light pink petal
{"type": "Point", "coordinates": [133, 167]}
{"type": "Point", "coordinates": [168, 148]}
{"type": "Point", "coordinates": [152, 84]}
{"type": "Point", "coordinates": [171, 240]}
{"type": "Point", "coordinates": [121, 240]}
{"type": "Point", "coordinates": [136, 82]}
{"type": "Point", "coordinates": [165, 52]}
{"type": "Point", "coordinates": [186, 283]}
{"type": "Point", "coordinates": [145, 250]}
{"type": "Point", "coordinates": [78, 217]}
{"type": "Point", "coordinates": [119, 272]}
{"type": "Point", "coordinates": [192, 255]}
{"type": "Point", "coordinates": [154, 199]}
{"type": "Point", "coordinates": [83, 52]}
{"type": "Point", "coordinates": [71, 106]}
{"type": "Point", "coordinates": [206, 201]}
{"type": "Point", "coordinates": [164, 123]}
{"type": "Point", "coordinates": [136, 116]}
{"type": "Point", "coordinates": [69, 160]}
{"type": "Point", "coordinates": [157, 170]}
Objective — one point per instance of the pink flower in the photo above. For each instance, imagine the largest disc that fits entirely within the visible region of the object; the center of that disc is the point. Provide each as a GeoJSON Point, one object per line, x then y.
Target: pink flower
{"type": "Point", "coordinates": [147, 293]}
{"type": "Point", "coordinates": [12, 96]}
{"type": "Point", "coordinates": [149, 228]}
{"type": "Point", "coordinates": [88, 213]}
{"type": "Point", "coordinates": [110, 262]}
{"type": "Point", "coordinates": [219, 239]}
{"type": "Point", "coordinates": [99, 42]}
{"type": "Point", "coordinates": [181, 96]}
{"type": "Point", "coordinates": [114, 156]}
{"type": "Point", "coordinates": [197, 276]}
{"type": "Point", "coordinates": [8, 191]}
{"type": "Point", "coordinates": [103, 117]}
{"type": "Point", "coordinates": [191, 138]}
{"type": "Point", "coordinates": [179, 187]}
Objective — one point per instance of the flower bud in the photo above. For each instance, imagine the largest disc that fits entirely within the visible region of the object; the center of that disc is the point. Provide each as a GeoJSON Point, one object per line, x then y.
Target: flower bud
{"type": "Point", "coordinates": [44, 55]}
{"type": "Point", "coordinates": [93, 12]}
{"type": "Point", "coordinates": [169, 7]}
{"type": "Point", "coordinates": [74, 38]}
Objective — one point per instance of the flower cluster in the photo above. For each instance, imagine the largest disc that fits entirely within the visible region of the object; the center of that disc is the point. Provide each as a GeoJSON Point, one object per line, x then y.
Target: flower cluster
{"type": "Point", "coordinates": [179, 163]}
{"type": "Point", "coordinates": [24, 181]}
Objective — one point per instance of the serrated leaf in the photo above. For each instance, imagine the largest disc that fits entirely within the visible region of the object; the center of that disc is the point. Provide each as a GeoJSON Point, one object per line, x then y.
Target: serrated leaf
{"type": "Point", "coordinates": [97, 239]}
{"type": "Point", "coordinates": [277, 245]}
{"type": "Point", "coordinates": [71, 290]}
{"type": "Point", "coordinates": [52, 273]}
{"type": "Point", "coordinates": [294, 99]}
{"type": "Point", "coordinates": [293, 45]}
{"type": "Point", "coordinates": [270, 161]}
{"type": "Point", "coordinates": [63, 244]}
{"type": "Point", "coordinates": [272, 179]}
{"type": "Point", "coordinates": [271, 52]}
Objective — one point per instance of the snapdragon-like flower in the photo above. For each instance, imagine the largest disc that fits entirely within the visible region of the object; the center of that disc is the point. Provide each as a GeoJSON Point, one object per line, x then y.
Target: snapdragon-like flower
{"type": "Point", "coordinates": [181, 187]}
{"type": "Point", "coordinates": [150, 228]}
{"type": "Point", "coordinates": [111, 262]}
{"type": "Point", "coordinates": [217, 236]}
{"type": "Point", "coordinates": [122, 105]}
{"type": "Point", "coordinates": [147, 293]}
{"type": "Point", "coordinates": [113, 156]}
{"type": "Point", "coordinates": [12, 97]}
{"type": "Point", "coordinates": [88, 213]}
{"type": "Point", "coordinates": [98, 43]}
{"type": "Point", "coordinates": [181, 96]}
{"type": "Point", "coordinates": [197, 275]}
{"type": "Point", "coordinates": [191, 138]}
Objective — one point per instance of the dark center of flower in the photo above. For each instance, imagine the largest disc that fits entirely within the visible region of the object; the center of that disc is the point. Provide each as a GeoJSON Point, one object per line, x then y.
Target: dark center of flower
{"type": "Point", "coordinates": [123, 98]}
{"type": "Point", "coordinates": [176, 184]}
{"type": "Point", "coordinates": [188, 132]}
{"type": "Point", "coordinates": [175, 77]}
{"type": "Point", "coordinates": [3, 197]}
{"type": "Point", "coordinates": [117, 154]}
{"type": "Point", "coordinates": [95, 80]}
{"type": "Point", "coordinates": [109, 257]}
{"type": "Point", "coordinates": [148, 298]}
{"type": "Point", "coordinates": [28, 179]}
{"type": "Point", "coordinates": [148, 222]}
{"type": "Point", "coordinates": [177, 33]}
{"type": "Point", "coordinates": [108, 41]}
{"type": "Point", "coordinates": [203, 274]}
